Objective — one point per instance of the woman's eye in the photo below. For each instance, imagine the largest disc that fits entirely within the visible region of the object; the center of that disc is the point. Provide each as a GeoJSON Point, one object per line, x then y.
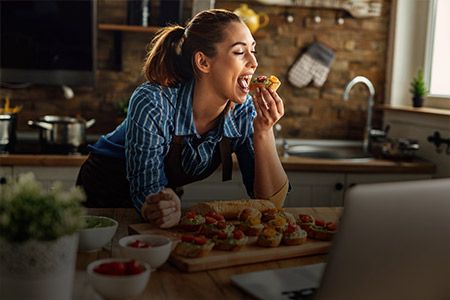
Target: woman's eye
{"type": "Point", "coordinates": [255, 52]}
{"type": "Point", "coordinates": [238, 53]}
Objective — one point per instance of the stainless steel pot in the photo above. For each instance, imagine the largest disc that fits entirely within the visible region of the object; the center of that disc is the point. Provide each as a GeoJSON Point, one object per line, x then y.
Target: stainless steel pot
{"type": "Point", "coordinates": [8, 123]}
{"type": "Point", "coordinates": [62, 131]}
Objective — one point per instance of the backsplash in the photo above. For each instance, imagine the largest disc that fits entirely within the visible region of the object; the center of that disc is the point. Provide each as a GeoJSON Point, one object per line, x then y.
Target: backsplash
{"type": "Point", "coordinates": [311, 112]}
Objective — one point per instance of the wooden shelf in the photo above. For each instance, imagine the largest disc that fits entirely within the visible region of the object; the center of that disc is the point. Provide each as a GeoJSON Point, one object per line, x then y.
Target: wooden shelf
{"type": "Point", "coordinates": [130, 28]}
{"type": "Point", "coordinates": [417, 110]}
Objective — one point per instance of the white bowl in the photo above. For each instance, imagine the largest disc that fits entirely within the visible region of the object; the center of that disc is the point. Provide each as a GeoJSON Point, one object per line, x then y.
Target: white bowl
{"type": "Point", "coordinates": [155, 256]}
{"type": "Point", "coordinates": [118, 287]}
{"type": "Point", "coordinates": [95, 238]}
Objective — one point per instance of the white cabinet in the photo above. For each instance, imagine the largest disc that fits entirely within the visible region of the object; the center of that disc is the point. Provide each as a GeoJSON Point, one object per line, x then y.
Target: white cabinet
{"type": "Point", "coordinates": [48, 175]}
{"type": "Point", "coordinates": [315, 189]}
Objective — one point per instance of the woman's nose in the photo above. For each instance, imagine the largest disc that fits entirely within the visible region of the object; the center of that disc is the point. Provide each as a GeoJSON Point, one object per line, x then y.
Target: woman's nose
{"type": "Point", "coordinates": [252, 62]}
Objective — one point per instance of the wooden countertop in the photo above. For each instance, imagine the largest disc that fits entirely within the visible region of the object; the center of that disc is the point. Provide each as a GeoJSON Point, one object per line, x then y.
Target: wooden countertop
{"type": "Point", "coordinates": [167, 282]}
{"type": "Point", "coordinates": [292, 163]}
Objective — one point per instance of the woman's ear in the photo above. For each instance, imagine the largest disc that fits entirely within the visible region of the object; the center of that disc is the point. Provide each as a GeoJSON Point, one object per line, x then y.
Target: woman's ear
{"type": "Point", "coordinates": [202, 62]}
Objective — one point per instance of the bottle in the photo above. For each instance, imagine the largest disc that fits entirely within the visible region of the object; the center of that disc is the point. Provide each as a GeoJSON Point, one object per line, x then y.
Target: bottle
{"type": "Point", "coordinates": [139, 12]}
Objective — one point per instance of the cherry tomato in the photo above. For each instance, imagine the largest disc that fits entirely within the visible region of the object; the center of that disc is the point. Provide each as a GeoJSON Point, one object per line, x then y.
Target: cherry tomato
{"type": "Point", "coordinates": [200, 240]}
{"type": "Point", "coordinates": [221, 235]}
{"type": "Point", "coordinates": [291, 228]}
{"type": "Point", "coordinates": [210, 220]}
{"type": "Point", "coordinates": [331, 226]}
{"type": "Point", "coordinates": [238, 234]}
{"type": "Point", "coordinates": [190, 214]}
{"type": "Point", "coordinates": [132, 268]}
{"type": "Point", "coordinates": [320, 223]}
{"type": "Point", "coordinates": [139, 244]}
{"type": "Point", "coordinates": [261, 78]}
{"type": "Point", "coordinates": [188, 238]}
{"type": "Point", "coordinates": [113, 268]}
{"type": "Point", "coordinates": [221, 225]}
{"type": "Point", "coordinates": [305, 218]}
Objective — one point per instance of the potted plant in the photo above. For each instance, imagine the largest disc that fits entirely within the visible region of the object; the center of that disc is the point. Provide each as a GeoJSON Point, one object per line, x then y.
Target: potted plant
{"type": "Point", "coordinates": [39, 238]}
{"type": "Point", "coordinates": [418, 89]}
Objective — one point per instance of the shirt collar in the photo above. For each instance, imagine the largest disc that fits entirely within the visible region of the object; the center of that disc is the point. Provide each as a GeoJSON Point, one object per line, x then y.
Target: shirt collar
{"type": "Point", "coordinates": [185, 118]}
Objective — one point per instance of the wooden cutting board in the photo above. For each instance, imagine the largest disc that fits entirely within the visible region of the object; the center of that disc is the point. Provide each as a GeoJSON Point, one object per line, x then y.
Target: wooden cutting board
{"type": "Point", "coordinates": [251, 253]}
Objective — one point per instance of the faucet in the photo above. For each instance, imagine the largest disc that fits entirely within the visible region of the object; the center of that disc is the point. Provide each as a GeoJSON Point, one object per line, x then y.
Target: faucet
{"type": "Point", "coordinates": [345, 97]}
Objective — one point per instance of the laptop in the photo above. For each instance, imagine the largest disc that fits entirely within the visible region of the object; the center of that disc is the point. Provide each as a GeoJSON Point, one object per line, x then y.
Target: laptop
{"type": "Point", "coordinates": [393, 243]}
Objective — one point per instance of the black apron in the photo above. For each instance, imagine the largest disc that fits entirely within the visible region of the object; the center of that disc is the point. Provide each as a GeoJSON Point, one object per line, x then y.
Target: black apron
{"type": "Point", "coordinates": [105, 183]}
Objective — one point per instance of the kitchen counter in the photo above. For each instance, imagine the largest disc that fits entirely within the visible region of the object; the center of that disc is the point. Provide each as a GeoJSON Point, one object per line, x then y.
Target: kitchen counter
{"type": "Point", "coordinates": [292, 163]}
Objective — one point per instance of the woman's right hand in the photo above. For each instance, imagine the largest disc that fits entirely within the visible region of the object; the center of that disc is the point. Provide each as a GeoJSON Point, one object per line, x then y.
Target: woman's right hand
{"type": "Point", "coordinates": [163, 209]}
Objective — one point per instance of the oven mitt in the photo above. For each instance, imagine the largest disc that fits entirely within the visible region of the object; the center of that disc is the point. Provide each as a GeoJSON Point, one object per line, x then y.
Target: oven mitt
{"type": "Point", "coordinates": [314, 65]}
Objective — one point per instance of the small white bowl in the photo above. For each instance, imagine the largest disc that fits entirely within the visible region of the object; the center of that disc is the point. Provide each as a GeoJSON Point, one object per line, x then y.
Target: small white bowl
{"type": "Point", "coordinates": [155, 256]}
{"type": "Point", "coordinates": [95, 238]}
{"type": "Point", "coordinates": [119, 287]}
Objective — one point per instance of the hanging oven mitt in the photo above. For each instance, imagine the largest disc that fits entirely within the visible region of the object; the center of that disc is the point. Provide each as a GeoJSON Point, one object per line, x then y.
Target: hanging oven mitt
{"type": "Point", "coordinates": [314, 65]}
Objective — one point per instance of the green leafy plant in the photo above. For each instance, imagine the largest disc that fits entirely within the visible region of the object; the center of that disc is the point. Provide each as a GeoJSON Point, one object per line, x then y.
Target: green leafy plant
{"type": "Point", "coordinates": [418, 87]}
{"type": "Point", "coordinates": [28, 211]}
{"type": "Point", "coordinates": [122, 107]}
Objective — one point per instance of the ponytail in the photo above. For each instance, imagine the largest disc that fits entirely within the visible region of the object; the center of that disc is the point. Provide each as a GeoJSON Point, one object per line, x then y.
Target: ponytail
{"type": "Point", "coordinates": [163, 62]}
{"type": "Point", "coordinates": [171, 57]}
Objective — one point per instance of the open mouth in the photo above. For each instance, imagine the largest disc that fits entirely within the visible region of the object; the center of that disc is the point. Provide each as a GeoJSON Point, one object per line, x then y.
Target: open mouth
{"type": "Point", "coordinates": [244, 82]}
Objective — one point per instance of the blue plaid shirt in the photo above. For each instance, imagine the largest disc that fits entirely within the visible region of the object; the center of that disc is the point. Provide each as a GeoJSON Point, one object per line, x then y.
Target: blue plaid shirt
{"type": "Point", "coordinates": [157, 113]}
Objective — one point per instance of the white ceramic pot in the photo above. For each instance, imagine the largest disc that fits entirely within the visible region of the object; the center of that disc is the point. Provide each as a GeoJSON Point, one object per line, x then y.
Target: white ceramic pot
{"type": "Point", "coordinates": [38, 269]}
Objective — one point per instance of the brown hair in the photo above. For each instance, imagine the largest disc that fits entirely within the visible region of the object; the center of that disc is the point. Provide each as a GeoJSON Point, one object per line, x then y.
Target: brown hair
{"type": "Point", "coordinates": [171, 57]}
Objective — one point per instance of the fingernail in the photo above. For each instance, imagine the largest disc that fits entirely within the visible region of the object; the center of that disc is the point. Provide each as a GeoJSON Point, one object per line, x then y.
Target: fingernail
{"type": "Point", "coordinates": [258, 89]}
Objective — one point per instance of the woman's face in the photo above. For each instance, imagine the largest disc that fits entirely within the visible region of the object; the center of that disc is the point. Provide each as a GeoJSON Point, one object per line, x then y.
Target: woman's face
{"type": "Point", "coordinates": [235, 63]}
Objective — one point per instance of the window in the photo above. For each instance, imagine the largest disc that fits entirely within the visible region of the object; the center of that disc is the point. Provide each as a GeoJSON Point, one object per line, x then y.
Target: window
{"type": "Point", "coordinates": [437, 60]}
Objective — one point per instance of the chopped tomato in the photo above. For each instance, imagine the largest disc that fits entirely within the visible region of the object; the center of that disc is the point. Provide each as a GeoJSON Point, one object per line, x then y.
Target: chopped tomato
{"type": "Point", "coordinates": [254, 221]}
{"type": "Point", "coordinates": [113, 268]}
{"type": "Point", "coordinates": [305, 218]}
{"type": "Point", "coordinates": [320, 223]}
{"type": "Point", "coordinates": [279, 221]}
{"type": "Point", "coordinates": [291, 228]}
{"type": "Point", "coordinates": [215, 216]}
{"type": "Point", "coordinates": [238, 234]}
{"type": "Point", "coordinates": [273, 211]}
{"type": "Point", "coordinates": [191, 214]}
{"type": "Point", "coordinates": [221, 235]}
{"type": "Point", "coordinates": [261, 78]}
{"type": "Point", "coordinates": [132, 268]}
{"type": "Point", "coordinates": [221, 225]}
{"type": "Point", "coordinates": [200, 240]}
{"type": "Point", "coordinates": [139, 244]}
{"type": "Point", "coordinates": [331, 226]}
{"type": "Point", "coordinates": [188, 238]}
{"type": "Point", "coordinates": [210, 220]}
{"type": "Point", "coordinates": [269, 232]}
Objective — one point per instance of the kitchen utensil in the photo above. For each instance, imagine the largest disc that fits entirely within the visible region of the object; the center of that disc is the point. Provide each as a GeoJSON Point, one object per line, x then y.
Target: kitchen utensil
{"type": "Point", "coordinates": [397, 148]}
{"type": "Point", "coordinates": [8, 123]}
{"type": "Point", "coordinates": [59, 133]}
{"type": "Point", "coordinates": [252, 19]}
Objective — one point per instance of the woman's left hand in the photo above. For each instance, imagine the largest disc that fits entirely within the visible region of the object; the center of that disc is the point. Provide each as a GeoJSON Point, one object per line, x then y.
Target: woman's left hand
{"type": "Point", "coordinates": [269, 109]}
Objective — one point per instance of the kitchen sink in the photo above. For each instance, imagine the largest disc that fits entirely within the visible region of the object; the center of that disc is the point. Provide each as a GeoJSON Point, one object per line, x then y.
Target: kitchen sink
{"type": "Point", "coordinates": [329, 149]}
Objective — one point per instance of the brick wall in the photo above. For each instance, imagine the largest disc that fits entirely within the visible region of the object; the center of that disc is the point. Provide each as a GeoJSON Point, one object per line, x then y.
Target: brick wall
{"type": "Point", "coordinates": [311, 112]}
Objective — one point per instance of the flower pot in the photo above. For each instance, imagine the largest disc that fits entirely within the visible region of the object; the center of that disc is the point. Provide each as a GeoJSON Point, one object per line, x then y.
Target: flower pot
{"type": "Point", "coordinates": [417, 101]}
{"type": "Point", "coordinates": [38, 269]}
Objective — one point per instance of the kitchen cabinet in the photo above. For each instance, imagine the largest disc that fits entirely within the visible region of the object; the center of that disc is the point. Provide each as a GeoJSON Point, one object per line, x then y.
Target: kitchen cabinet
{"type": "Point", "coordinates": [49, 174]}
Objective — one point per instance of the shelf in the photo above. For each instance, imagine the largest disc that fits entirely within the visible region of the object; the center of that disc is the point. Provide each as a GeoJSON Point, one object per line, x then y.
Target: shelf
{"type": "Point", "coordinates": [417, 110]}
{"type": "Point", "coordinates": [130, 28]}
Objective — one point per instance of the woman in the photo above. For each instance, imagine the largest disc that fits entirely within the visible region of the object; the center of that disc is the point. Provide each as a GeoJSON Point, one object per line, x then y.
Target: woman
{"type": "Point", "coordinates": [193, 112]}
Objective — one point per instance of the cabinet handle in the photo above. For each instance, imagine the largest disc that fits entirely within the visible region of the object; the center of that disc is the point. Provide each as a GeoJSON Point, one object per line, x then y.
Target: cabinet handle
{"type": "Point", "coordinates": [2, 180]}
{"type": "Point", "coordinates": [351, 185]}
{"type": "Point", "coordinates": [338, 186]}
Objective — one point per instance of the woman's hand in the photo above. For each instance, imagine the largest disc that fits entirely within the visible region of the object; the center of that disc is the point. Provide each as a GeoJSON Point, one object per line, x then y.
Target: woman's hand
{"type": "Point", "coordinates": [269, 109]}
{"type": "Point", "coordinates": [163, 209]}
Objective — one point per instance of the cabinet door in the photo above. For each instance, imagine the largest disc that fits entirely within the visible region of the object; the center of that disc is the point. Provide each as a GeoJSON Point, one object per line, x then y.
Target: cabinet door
{"type": "Point", "coordinates": [48, 175]}
{"type": "Point", "coordinates": [315, 189]}
{"type": "Point", "coordinates": [213, 188]}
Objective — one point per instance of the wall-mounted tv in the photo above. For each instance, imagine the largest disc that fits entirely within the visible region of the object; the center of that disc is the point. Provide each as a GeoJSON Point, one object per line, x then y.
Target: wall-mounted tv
{"type": "Point", "coordinates": [49, 42]}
